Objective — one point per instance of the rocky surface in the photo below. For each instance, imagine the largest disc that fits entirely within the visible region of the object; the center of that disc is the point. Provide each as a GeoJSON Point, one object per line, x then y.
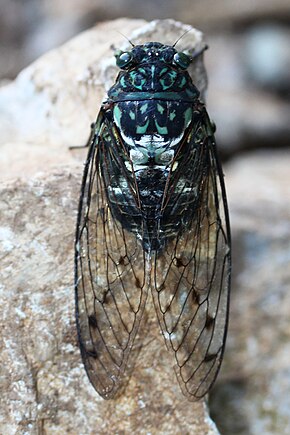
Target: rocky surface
{"type": "Point", "coordinates": [44, 388]}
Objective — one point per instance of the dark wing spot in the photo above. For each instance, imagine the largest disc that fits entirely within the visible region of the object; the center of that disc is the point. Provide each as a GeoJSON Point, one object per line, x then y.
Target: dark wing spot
{"type": "Point", "coordinates": [209, 321]}
{"type": "Point", "coordinates": [106, 296]}
{"type": "Point", "coordinates": [138, 283]}
{"type": "Point", "coordinates": [92, 354]}
{"type": "Point", "coordinates": [210, 357]}
{"type": "Point", "coordinates": [195, 297]}
{"type": "Point", "coordinates": [93, 320]}
{"type": "Point", "coordinates": [178, 262]}
{"type": "Point", "coordinates": [121, 261]}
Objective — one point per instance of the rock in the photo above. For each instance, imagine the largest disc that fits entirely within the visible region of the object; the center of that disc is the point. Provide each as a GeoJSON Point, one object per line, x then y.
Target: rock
{"type": "Point", "coordinates": [44, 388]}
{"type": "Point", "coordinates": [39, 109]}
{"type": "Point", "coordinates": [252, 392]}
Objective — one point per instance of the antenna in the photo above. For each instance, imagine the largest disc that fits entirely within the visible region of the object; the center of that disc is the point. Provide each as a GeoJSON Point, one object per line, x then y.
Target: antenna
{"type": "Point", "coordinates": [183, 34]}
{"type": "Point", "coordinates": [133, 45]}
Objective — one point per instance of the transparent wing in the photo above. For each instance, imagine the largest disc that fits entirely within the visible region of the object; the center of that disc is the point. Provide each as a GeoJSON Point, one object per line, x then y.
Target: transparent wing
{"type": "Point", "coordinates": [111, 285]}
{"type": "Point", "coordinates": [191, 275]}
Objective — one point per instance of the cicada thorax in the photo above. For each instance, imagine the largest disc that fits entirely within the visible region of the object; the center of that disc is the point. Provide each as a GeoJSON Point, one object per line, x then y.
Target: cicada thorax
{"type": "Point", "coordinates": [155, 147]}
{"type": "Point", "coordinates": [153, 113]}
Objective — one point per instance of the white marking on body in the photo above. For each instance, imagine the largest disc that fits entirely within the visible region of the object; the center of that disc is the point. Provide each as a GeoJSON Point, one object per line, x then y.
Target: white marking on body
{"type": "Point", "coordinates": [151, 139]}
{"type": "Point", "coordinates": [174, 167]}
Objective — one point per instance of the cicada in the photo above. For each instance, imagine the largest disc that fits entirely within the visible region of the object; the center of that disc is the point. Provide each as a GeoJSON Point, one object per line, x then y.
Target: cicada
{"type": "Point", "coordinates": [152, 218]}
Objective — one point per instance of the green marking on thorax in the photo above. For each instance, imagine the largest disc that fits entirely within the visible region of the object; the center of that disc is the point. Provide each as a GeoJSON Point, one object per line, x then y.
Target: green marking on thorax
{"type": "Point", "coordinates": [172, 76]}
{"type": "Point", "coordinates": [133, 76]}
{"type": "Point", "coordinates": [122, 82]}
{"type": "Point", "coordinates": [141, 129]}
{"type": "Point", "coordinates": [183, 82]}
{"type": "Point", "coordinates": [189, 92]}
{"type": "Point", "coordinates": [160, 108]}
{"type": "Point", "coordinates": [143, 108]}
{"type": "Point", "coordinates": [163, 71]}
{"type": "Point", "coordinates": [117, 115]}
{"type": "Point", "coordinates": [166, 96]}
{"type": "Point", "coordinates": [161, 130]}
{"type": "Point", "coordinates": [172, 115]}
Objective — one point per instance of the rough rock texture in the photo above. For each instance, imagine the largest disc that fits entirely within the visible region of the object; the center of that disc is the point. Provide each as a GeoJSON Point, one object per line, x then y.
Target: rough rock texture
{"type": "Point", "coordinates": [44, 388]}
{"type": "Point", "coordinates": [251, 396]}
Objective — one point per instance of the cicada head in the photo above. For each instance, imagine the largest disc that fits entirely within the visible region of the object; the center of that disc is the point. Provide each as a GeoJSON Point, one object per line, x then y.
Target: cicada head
{"type": "Point", "coordinates": [152, 53]}
{"type": "Point", "coordinates": [152, 67]}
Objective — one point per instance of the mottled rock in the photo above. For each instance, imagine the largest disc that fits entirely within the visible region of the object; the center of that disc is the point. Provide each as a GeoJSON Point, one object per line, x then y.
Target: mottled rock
{"type": "Point", "coordinates": [44, 388]}
{"type": "Point", "coordinates": [252, 392]}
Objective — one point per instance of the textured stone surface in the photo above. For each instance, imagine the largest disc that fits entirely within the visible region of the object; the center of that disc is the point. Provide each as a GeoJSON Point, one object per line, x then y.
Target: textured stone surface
{"type": "Point", "coordinates": [252, 393]}
{"type": "Point", "coordinates": [44, 388]}
{"type": "Point", "coordinates": [51, 106]}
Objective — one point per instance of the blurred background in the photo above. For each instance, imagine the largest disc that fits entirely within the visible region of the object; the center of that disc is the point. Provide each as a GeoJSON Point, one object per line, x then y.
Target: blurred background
{"type": "Point", "coordinates": [248, 68]}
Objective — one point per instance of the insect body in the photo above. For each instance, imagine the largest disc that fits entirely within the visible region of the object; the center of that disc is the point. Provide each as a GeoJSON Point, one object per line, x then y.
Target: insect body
{"type": "Point", "coordinates": [152, 215]}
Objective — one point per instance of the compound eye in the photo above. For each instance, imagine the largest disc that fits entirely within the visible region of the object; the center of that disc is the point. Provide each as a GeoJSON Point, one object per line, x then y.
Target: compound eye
{"type": "Point", "coordinates": [124, 59]}
{"type": "Point", "coordinates": [181, 60]}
